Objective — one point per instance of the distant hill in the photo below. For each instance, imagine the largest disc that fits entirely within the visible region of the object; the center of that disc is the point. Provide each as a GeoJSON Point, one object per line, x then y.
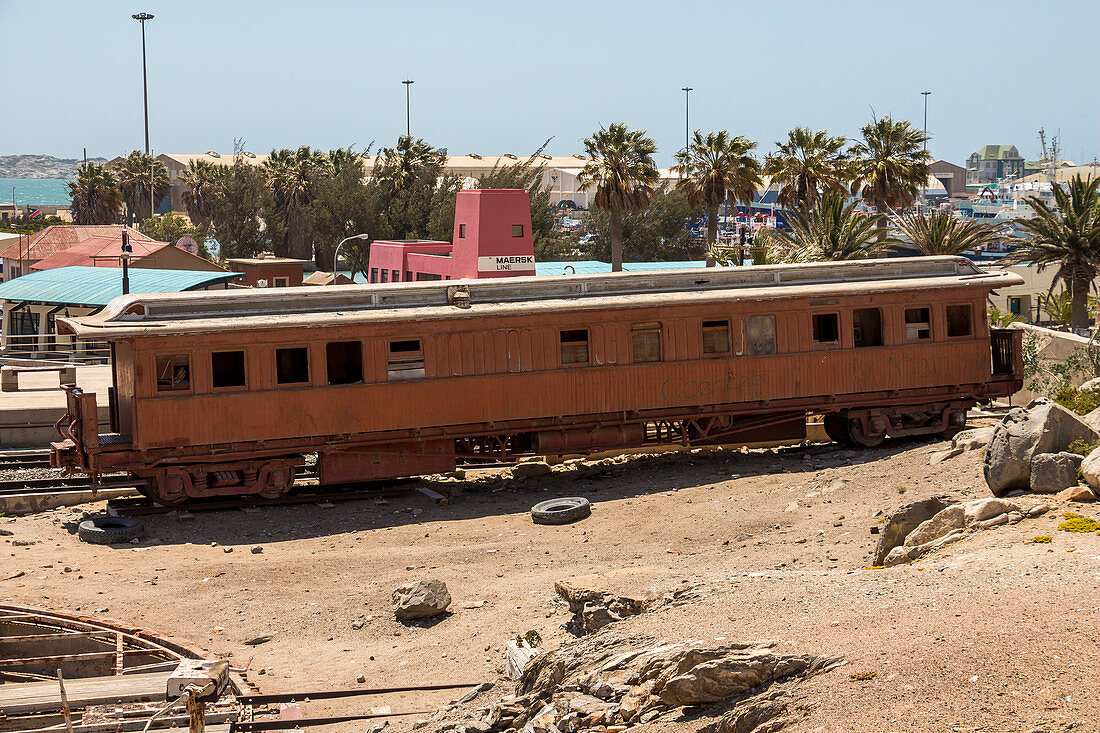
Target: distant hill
{"type": "Point", "coordinates": [41, 166]}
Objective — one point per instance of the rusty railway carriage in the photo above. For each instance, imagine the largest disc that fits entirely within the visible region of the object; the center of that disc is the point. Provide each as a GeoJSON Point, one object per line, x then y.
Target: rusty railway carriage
{"type": "Point", "coordinates": [222, 393]}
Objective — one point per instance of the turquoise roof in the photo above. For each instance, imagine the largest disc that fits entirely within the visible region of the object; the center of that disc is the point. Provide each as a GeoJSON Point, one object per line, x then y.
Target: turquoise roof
{"type": "Point", "coordinates": [97, 286]}
{"type": "Point", "coordinates": [595, 267]}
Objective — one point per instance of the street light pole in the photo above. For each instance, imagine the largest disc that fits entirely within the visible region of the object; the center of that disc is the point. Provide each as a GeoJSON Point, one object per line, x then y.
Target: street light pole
{"type": "Point", "coordinates": [127, 250]}
{"type": "Point", "coordinates": [687, 126]}
{"type": "Point", "coordinates": [408, 127]}
{"type": "Point", "coordinates": [141, 18]}
{"type": "Point", "coordinates": [336, 256]}
{"type": "Point", "coordinates": [924, 190]}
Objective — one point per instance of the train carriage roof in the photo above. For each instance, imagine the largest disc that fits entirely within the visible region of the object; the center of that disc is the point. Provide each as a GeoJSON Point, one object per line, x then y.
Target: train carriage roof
{"type": "Point", "coordinates": [162, 314]}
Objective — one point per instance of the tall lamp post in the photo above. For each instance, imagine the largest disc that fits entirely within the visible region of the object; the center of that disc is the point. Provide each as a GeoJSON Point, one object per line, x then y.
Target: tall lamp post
{"type": "Point", "coordinates": [336, 256]}
{"type": "Point", "coordinates": [408, 127]}
{"type": "Point", "coordinates": [141, 18]}
{"type": "Point", "coordinates": [687, 126]}
{"type": "Point", "coordinates": [127, 252]}
{"type": "Point", "coordinates": [924, 190]}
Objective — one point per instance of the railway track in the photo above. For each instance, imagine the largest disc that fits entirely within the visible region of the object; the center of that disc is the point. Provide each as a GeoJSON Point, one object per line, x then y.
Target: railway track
{"type": "Point", "coordinates": [306, 494]}
{"type": "Point", "coordinates": [19, 460]}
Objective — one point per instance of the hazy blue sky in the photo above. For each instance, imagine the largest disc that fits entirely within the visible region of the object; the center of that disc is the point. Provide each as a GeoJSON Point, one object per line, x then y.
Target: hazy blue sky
{"type": "Point", "coordinates": [503, 76]}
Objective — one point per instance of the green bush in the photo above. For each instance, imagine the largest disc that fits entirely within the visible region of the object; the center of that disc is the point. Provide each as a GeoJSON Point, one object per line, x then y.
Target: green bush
{"type": "Point", "coordinates": [1077, 523]}
{"type": "Point", "coordinates": [1083, 448]}
{"type": "Point", "coordinates": [1080, 401]}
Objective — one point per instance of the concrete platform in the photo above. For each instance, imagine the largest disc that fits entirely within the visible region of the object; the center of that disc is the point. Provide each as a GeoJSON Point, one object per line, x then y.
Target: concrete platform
{"type": "Point", "coordinates": [27, 417]}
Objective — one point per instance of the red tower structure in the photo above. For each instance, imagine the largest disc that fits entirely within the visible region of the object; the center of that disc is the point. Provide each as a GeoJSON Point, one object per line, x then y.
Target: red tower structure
{"type": "Point", "coordinates": [492, 238]}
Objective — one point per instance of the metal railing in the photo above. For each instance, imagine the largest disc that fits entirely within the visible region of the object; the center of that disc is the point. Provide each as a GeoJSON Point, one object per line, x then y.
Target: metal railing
{"type": "Point", "coordinates": [55, 348]}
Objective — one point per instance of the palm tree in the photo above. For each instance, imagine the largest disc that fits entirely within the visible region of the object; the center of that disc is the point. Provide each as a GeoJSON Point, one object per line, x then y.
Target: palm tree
{"type": "Point", "coordinates": [95, 195]}
{"type": "Point", "coordinates": [942, 233]}
{"type": "Point", "coordinates": [807, 165]}
{"type": "Point", "coordinates": [141, 179]}
{"type": "Point", "coordinates": [342, 159]}
{"type": "Point", "coordinates": [890, 165]}
{"type": "Point", "coordinates": [831, 230]}
{"type": "Point", "coordinates": [292, 176]}
{"type": "Point", "coordinates": [621, 168]}
{"type": "Point", "coordinates": [399, 166]}
{"type": "Point", "coordinates": [713, 167]}
{"type": "Point", "coordinates": [1067, 236]}
{"type": "Point", "coordinates": [201, 178]}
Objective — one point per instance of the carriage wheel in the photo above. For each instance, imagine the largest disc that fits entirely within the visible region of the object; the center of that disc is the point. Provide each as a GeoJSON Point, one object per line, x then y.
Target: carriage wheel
{"type": "Point", "coordinates": [278, 484]}
{"type": "Point", "coordinates": [857, 436]}
{"type": "Point", "coordinates": [153, 489]}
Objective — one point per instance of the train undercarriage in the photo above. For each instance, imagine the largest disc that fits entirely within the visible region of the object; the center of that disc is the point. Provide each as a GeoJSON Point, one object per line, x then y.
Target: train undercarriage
{"type": "Point", "coordinates": [173, 477]}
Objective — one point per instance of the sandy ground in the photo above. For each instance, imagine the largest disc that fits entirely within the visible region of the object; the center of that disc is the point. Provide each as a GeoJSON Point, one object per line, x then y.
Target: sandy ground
{"type": "Point", "coordinates": [993, 633]}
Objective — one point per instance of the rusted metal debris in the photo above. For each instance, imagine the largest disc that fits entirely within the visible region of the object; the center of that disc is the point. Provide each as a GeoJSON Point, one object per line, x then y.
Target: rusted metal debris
{"type": "Point", "coordinates": [87, 675]}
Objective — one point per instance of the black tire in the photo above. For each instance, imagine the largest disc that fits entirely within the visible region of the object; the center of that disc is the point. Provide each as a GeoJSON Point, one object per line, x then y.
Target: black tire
{"type": "Point", "coordinates": [105, 530]}
{"type": "Point", "coordinates": [565, 510]}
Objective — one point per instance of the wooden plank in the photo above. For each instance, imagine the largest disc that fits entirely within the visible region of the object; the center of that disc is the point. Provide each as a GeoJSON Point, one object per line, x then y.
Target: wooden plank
{"type": "Point", "coordinates": [40, 697]}
{"type": "Point", "coordinates": [54, 659]}
{"type": "Point", "coordinates": [52, 637]}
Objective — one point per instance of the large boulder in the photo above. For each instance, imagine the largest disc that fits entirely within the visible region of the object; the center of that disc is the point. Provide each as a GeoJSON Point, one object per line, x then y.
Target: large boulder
{"type": "Point", "coordinates": [421, 599]}
{"type": "Point", "coordinates": [905, 520]}
{"type": "Point", "coordinates": [952, 524]}
{"type": "Point", "coordinates": [945, 522]}
{"type": "Point", "coordinates": [1052, 472]}
{"type": "Point", "coordinates": [1042, 427]}
{"type": "Point", "coordinates": [1090, 469]}
{"type": "Point", "coordinates": [973, 438]}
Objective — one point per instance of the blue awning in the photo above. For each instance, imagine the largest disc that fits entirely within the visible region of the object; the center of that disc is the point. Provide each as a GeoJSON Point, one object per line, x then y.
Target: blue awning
{"type": "Point", "coordinates": [97, 286]}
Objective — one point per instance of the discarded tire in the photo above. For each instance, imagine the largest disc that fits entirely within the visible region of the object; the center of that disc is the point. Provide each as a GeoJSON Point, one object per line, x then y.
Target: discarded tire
{"type": "Point", "coordinates": [109, 530]}
{"type": "Point", "coordinates": [561, 511]}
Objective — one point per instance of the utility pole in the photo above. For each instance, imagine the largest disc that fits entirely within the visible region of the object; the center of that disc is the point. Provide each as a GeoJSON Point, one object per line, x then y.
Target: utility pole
{"type": "Point", "coordinates": [17, 232]}
{"type": "Point", "coordinates": [408, 126]}
{"type": "Point", "coordinates": [924, 189]}
{"type": "Point", "coordinates": [141, 18]}
{"type": "Point", "coordinates": [687, 125]}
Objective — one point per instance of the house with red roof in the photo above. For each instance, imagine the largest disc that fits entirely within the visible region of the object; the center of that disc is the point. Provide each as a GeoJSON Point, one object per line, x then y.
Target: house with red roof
{"type": "Point", "coordinates": [18, 258]}
{"type": "Point", "coordinates": [107, 252]}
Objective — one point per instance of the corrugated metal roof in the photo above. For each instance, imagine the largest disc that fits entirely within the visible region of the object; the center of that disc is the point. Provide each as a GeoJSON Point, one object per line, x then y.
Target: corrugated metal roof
{"type": "Point", "coordinates": [96, 286]}
{"type": "Point", "coordinates": [107, 250]}
{"type": "Point", "coordinates": [59, 237]}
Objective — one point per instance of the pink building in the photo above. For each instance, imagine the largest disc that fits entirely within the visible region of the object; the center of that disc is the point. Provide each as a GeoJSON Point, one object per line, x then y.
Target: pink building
{"type": "Point", "coordinates": [492, 238]}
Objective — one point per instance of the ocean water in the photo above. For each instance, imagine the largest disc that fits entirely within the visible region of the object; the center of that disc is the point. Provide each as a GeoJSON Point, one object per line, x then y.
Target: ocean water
{"type": "Point", "coordinates": [35, 191]}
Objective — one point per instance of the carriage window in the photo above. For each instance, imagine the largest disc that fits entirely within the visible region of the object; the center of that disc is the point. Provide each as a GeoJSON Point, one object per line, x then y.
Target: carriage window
{"type": "Point", "coordinates": [867, 327]}
{"type": "Point", "coordinates": [918, 324]}
{"type": "Point", "coordinates": [958, 320]}
{"type": "Point", "coordinates": [292, 365]}
{"type": "Point", "coordinates": [406, 361]}
{"type": "Point", "coordinates": [344, 360]}
{"type": "Point", "coordinates": [574, 346]}
{"type": "Point", "coordinates": [227, 368]}
{"type": "Point", "coordinates": [716, 337]}
{"type": "Point", "coordinates": [826, 329]}
{"type": "Point", "coordinates": [760, 335]}
{"type": "Point", "coordinates": [646, 338]}
{"type": "Point", "coordinates": [173, 373]}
